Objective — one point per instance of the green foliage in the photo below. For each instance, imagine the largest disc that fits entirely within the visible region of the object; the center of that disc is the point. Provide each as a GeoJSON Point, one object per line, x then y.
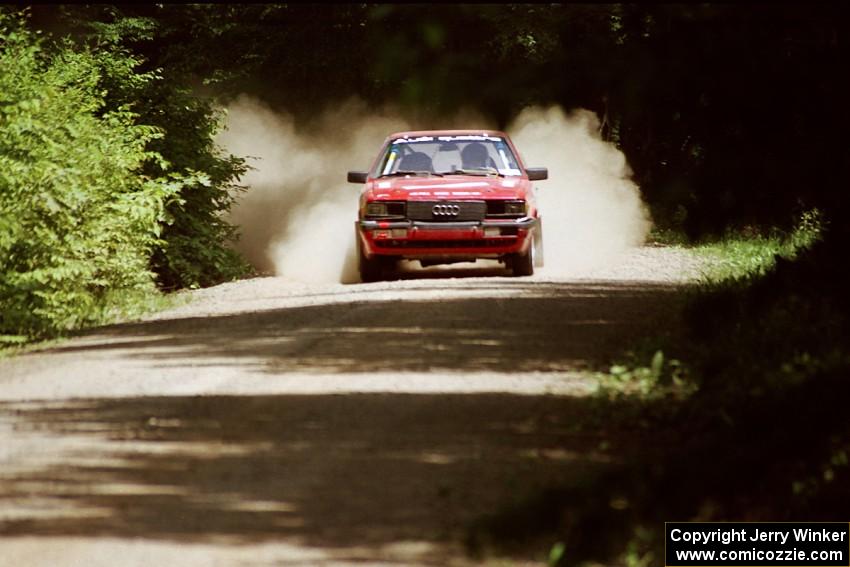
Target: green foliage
{"type": "Point", "coordinates": [781, 298]}
{"type": "Point", "coordinates": [734, 257]}
{"type": "Point", "coordinates": [193, 249]}
{"type": "Point", "coordinates": [741, 256]}
{"type": "Point", "coordinates": [747, 421]}
{"type": "Point", "coordinates": [78, 218]}
{"type": "Point", "coordinates": [93, 192]}
{"type": "Point", "coordinates": [661, 378]}
{"type": "Point", "coordinates": [735, 264]}
{"type": "Point", "coordinates": [556, 554]}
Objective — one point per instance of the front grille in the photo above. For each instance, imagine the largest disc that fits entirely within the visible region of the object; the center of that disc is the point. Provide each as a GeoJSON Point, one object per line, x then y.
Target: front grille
{"type": "Point", "coordinates": [467, 211]}
{"type": "Point", "coordinates": [478, 243]}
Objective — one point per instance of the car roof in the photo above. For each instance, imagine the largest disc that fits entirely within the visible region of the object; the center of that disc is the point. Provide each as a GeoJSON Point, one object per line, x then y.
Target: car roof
{"type": "Point", "coordinates": [418, 133]}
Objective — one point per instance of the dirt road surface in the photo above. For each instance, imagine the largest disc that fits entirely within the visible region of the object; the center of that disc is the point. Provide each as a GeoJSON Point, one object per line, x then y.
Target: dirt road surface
{"type": "Point", "coordinates": [268, 422]}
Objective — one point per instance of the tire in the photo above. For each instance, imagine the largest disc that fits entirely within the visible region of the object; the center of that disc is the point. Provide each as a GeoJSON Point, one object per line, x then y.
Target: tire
{"type": "Point", "coordinates": [371, 269]}
{"type": "Point", "coordinates": [523, 264]}
{"type": "Point", "coordinates": [538, 245]}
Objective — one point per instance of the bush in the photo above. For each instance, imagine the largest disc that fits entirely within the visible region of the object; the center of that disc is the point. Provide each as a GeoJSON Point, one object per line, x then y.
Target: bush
{"type": "Point", "coordinates": [110, 181]}
{"type": "Point", "coordinates": [79, 216]}
{"type": "Point", "coordinates": [193, 250]}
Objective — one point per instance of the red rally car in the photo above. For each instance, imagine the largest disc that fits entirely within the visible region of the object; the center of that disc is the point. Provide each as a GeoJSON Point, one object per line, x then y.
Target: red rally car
{"type": "Point", "coordinates": [448, 196]}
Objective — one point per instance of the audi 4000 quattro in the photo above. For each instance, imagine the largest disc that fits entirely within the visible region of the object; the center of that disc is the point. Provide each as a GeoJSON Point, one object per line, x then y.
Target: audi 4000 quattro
{"type": "Point", "coordinates": [448, 196]}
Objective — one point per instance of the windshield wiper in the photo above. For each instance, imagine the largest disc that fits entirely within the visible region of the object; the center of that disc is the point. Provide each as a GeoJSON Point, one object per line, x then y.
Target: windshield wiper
{"type": "Point", "coordinates": [410, 172]}
{"type": "Point", "coordinates": [477, 171]}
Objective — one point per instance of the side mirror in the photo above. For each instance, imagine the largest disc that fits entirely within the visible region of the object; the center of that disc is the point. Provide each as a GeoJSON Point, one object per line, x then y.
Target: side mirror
{"type": "Point", "coordinates": [357, 176]}
{"type": "Point", "coordinates": [537, 173]}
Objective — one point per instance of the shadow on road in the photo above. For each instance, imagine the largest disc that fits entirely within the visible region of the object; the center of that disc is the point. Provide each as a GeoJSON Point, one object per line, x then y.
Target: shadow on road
{"type": "Point", "coordinates": [335, 471]}
{"type": "Point", "coordinates": [486, 326]}
{"type": "Point", "coordinates": [320, 470]}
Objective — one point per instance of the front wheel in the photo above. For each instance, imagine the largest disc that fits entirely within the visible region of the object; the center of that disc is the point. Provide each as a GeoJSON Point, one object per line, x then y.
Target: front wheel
{"type": "Point", "coordinates": [375, 268]}
{"type": "Point", "coordinates": [523, 264]}
{"type": "Point", "coordinates": [371, 270]}
{"type": "Point", "coordinates": [538, 245]}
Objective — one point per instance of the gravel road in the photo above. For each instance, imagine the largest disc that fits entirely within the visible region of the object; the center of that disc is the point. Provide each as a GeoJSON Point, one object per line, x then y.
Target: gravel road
{"type": "Point", "coordinates": [269, 422]}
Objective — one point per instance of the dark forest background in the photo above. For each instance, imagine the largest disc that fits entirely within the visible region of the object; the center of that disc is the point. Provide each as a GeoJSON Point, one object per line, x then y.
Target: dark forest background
{"type": "Point", "coordinates": [727, 113]}
{"type": "Point", "coordinates": [733, 117]}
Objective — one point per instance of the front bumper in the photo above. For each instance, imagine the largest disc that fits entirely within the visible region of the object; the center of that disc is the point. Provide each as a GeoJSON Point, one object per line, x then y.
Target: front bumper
{"type": "Point", "coordinates": [420, 239]}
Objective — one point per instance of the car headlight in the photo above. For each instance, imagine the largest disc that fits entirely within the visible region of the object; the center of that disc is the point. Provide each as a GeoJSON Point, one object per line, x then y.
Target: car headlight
{"type": "Point", "coordinates": [516, 208]}
{"type": "Point", "coordinates": [377, 210]}
{"type": "Point", "coordinates": [391, 210]}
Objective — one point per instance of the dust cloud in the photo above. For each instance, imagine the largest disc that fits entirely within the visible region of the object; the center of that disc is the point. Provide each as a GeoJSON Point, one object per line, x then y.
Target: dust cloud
{"type": "Point", "coordinates": [297, 217]}
{"type": "Point", "coordinates": [592, 211]}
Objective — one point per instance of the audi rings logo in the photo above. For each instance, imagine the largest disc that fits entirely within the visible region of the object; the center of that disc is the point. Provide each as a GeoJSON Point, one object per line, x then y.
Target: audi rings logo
{"type": "Point", "coordinates": [445, 210]}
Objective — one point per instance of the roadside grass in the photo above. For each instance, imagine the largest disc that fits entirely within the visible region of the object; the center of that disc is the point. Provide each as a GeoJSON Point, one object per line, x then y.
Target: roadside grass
{"type": "Point", "coordinates": [732, 265]}
{"type": "Point", "coordinates": [666, 237]}
{"type": "Point", "coordinates": [741, 419]}
{"type": "Point", "coordinates": [114, 307]}
{"type": "Point", "coordinates": [741, 256]}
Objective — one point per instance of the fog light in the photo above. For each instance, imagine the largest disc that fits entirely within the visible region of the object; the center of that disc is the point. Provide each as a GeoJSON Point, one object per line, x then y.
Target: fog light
{"type": "Point", "coordinates": [381, 234]}
{"type": "Point", "coordinates": [399, 232]}
{"type": "Point", "coordinates": [491, 231]}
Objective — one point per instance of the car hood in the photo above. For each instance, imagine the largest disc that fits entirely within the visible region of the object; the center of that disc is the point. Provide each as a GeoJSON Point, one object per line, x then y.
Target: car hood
{"type": "Point", "coordinates": [459, 187]}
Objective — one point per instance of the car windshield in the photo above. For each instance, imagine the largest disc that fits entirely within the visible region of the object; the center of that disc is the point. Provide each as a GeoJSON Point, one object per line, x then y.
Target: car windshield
{"type": "Point", "coordinates": [448, 155]}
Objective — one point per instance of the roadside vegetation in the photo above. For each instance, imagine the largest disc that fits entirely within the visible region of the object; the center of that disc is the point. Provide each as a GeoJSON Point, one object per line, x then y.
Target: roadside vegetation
{"type": "Point", "coordinates": [732, 264]}
{"type": "Point", "coordinates": [742, 418]}
{"type": "Point", "coordinates": [109, 184]}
